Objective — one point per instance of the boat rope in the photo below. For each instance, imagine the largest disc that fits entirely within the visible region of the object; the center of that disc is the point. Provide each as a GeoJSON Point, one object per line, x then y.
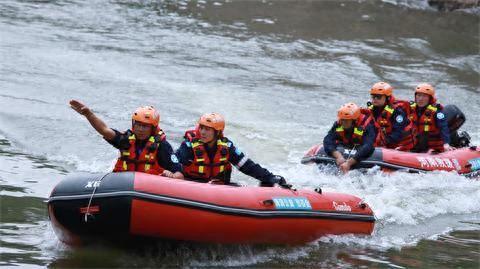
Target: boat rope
{"type": "Point", "coordinates": [95, 185]}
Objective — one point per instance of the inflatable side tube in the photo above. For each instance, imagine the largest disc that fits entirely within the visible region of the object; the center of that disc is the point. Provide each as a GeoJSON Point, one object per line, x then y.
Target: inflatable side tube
{"type": "Point", "coordinates": [68, 206]}
{"type": "Point", "coordinates": [124, 205]}
{"type": "Point", "coordinates": [376, 159]}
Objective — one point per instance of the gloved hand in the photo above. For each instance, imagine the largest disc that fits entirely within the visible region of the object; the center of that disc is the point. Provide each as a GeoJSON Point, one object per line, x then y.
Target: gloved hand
{"type": "Point", "coordinates": [280, 181]}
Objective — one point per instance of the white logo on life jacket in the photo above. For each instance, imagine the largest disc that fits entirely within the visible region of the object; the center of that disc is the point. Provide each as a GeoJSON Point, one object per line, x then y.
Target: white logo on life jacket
{"type": "Point", "coordinates": [440, 115]}
{"type": "Point", "coordinates": [93, 184]}
{"type": "Point", "coordinates": [435, 162]}
{"type": "Point", "coordinates": [341, 207]}
{"type": "Point", "coordinates": [350, 151]}
{"type": "Point", "coordinates": [399, 118]}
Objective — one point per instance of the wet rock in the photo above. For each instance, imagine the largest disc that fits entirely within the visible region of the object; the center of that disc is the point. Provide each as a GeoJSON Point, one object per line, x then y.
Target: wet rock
{"type": "Point", "coordinates": [450, 5]}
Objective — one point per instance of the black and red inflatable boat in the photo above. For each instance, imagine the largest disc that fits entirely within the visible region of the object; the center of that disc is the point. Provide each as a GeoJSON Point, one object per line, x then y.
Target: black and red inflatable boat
{"type": "Point", "coordinates": [464, 161]}
{"type": "Point", "coordinates": [87, 207]}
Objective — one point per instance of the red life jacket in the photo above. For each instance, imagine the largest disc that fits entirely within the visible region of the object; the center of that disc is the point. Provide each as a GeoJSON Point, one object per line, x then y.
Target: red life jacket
{"type": "Point", "coordinates": [202, 167]}
{"type": "Point", "coordinates": [147, 160]}
{"type": "Point", "coordinates": [357, 135]}
{"type": "Point", "coordinates": [427, 125]}
{"type": "Point", "coordinates": [384, 126]}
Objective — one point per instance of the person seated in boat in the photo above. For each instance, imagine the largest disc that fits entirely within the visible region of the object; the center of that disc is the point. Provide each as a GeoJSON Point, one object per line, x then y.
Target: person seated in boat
{"type": "Point", "coordinates": [353, 130]}
{"type": "Point", "coordinates": [144, 148]}
{"type": "Point", "coordinates": [390, 116]}
{"type": "Point", "coordinates": [207, 155]}
{"type": "Point", "coordinates": [430, 123]}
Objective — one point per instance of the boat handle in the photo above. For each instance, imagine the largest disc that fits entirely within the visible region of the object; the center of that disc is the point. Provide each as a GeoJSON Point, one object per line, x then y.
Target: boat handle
{"type": "Point", "coordinates": [268, 202]}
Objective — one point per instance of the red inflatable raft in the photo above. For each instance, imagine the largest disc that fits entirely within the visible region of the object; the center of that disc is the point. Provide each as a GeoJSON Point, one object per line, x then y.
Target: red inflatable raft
{"type": "Point", "coordinates": [465, 161]}
{"type": "Point", "coordinates": [122, 205]}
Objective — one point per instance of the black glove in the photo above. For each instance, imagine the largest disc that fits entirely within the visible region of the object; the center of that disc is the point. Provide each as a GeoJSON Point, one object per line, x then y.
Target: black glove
{"type": "Point", "coordinates": [283, 183]}
{"type": "Point", "coordinates": [276, 179]}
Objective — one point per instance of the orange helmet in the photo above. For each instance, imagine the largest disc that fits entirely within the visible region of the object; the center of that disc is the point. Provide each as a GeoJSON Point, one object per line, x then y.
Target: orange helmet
{"type": "Point", "coordinates": [213, 120]}
{"type": "Point", "coordinates": [147, 115]}
{"type": "Point", "coordinates": [427, 89]}
{"type": "Point", "coordinates": [349, 111]}
{"type": "Point", "coordinates": [382, 88]}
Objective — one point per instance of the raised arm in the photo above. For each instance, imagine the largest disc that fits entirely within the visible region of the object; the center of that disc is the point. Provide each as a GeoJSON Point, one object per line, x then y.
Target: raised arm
{"type": "Point", "coordinates": [95, 121]}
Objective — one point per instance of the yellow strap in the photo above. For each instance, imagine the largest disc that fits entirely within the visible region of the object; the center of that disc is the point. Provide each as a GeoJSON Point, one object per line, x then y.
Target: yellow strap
{"type": "Point", "coordinates": [357, 131]}
{"type": "Point", "coordinates": [196, 144]}
{"type": "Point", "coordinates": [223, 159]}
{"type": "Point", "coordinates": [432, 108]}
{"type": "Point", "coordinates": [222, 168]}
{"type": "Point", "coordinates": [147, 167]}
{"type": "Point", "coordinates": [201, 160]}
{"type": "Point", "coordinates": [389, 109]}
{"type": "Point", "coordinates": [125, 153]}
{"type": "Point", "coordinates": [221, 143]}
{"type": "Point", "coordinates": [200, 169]}
{"type": "Point", "coordinates": [339, 129]}
{"type": "Point", "coordinates": [427, 128]}
{"type": "Point", "coordinates": [131, 137]}
{"type": "Point", "coordinates": [370, 107]}
{"type": "Point", "coordinates": [151, 139]}
{"type": "Point", "coordinates": [125, 167]}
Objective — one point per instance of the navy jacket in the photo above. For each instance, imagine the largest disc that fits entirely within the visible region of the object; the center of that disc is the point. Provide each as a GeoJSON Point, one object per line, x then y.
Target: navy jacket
{"type": "Point", "coordinates": [165, 156]}
{"type": "Point", "coordinates": [236, 157]}
{"type": "Point", "coordinates": [399, 121]}
{"type": "Point", "coordinates": [331, 142]}
{"type": "Point", "coordinates": [440, 121]}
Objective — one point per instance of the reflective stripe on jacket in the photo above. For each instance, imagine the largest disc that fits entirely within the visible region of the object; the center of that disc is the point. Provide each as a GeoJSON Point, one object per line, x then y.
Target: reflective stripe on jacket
{"type": "Point", "coordinates": [202, 166]}
{"type": "Point", "coordinates": [146, 161]}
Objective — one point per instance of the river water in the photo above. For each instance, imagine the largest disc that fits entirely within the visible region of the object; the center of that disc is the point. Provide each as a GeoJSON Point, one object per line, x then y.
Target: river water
{"type": "Point", "coordinates": [277, 70]}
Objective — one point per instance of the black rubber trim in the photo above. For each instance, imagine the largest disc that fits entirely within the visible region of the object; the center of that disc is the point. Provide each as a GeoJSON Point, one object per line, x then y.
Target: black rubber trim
{"type": "Point", "coordinates": [376, 159]}
{"type": "Point", "coordinates": [224, 209]}
{"type": "Point", "coordinates": [363, 164]}
{"type": "Point", "coordinates": [395, 166]}
{"type": "Point", "coordinates": [473, 174]}
{"type": "Point", "coordinates": [326, 160]}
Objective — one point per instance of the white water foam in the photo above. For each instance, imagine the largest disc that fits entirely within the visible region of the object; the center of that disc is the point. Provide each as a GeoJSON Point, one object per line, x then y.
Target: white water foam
{"type": "Point", "coordinates": [408, 206]}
